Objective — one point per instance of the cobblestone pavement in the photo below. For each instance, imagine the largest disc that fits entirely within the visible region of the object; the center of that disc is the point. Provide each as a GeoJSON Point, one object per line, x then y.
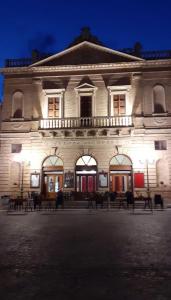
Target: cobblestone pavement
{"type": "Point", "coordinates": [85, 255]}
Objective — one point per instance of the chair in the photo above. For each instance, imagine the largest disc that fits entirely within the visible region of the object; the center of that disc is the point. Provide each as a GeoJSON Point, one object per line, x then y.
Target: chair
{"type": "Point", "coordinates": [158, 200]}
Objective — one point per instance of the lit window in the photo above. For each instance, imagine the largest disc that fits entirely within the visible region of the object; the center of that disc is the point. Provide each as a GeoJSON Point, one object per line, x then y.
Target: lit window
{"type": "Point", "coordinates": [53, 107]}
{"type": "Point", "coordinates": [16, 148]}
{"type": "Point", "coordinates": [160, 145]}
{"type": "Point", "coordinates": [119, 104]}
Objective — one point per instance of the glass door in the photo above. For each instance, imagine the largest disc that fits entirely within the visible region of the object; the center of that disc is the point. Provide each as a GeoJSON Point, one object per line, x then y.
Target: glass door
{"type": "Point", "coordinates": [53, 182]}
{"type": "Point", "coordinates": [120, 183]}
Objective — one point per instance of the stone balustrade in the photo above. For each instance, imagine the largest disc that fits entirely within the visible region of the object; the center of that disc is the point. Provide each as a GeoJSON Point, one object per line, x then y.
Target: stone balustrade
{"type": "Point", "coordinates": [90, 122]}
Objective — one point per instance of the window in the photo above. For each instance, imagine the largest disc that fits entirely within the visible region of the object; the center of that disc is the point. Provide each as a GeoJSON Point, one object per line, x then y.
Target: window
{"type": "Point", "coordinates": [119, 104]}
{"type": "Point", "coordinates": [160, 145]}
{"type": "Point", "coordinates": [53, 107]}
{"type": "Point", "coordinates": [16, 148]}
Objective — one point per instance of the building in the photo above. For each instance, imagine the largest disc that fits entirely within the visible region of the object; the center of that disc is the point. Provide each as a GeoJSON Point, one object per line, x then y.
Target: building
{"type": "Point", "coordinates": [88, 118]}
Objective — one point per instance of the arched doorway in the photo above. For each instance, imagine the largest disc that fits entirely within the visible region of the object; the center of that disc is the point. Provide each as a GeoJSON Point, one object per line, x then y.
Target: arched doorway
{"type": "Point", "coordinates": [52, 176]}
{"type": "Point", "coordinates": [120, 173]}
{"type": "Point", "coordinates": [86, 171]}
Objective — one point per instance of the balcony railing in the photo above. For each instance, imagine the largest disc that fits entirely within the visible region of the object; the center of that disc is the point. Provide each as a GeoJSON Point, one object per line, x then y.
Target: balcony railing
{"type": "Point", "coordinates": [89, 122]}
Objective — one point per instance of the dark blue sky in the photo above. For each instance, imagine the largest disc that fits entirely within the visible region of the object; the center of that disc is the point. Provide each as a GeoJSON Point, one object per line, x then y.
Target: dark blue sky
{"type": "Point", "coordinates": [118, 24]}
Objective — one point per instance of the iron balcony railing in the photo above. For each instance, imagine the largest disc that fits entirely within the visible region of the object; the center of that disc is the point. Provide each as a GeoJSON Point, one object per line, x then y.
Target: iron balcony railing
{"type": "Point", "coordinates": [90, 122]}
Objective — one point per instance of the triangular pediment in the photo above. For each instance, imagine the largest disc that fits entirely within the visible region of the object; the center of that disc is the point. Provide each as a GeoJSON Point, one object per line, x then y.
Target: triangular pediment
{"type": "Point", "coordinates": [86, 53]}
{"type": "Point", "coordinates": [85, 86]}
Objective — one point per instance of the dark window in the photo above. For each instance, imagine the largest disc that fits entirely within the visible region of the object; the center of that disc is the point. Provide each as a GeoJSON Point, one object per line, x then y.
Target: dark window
{"type": "Point", "coordinates": [86, 106]}
{"type": "Point", "coordinates": [16, 148]}
{"type": "Point", "coordinates": [160, 145]}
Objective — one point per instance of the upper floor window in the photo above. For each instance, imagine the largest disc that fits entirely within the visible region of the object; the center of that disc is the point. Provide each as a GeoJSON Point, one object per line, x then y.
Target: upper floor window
{"type": "Point", "coordinates": [16, 148]}
{"type": "Point", "coordinates": [53, 107]}
{"type": "Point", "coordinates": [120, 100]}
{"type": "Point", "coordinates": [119, 104]}
{"type": "Point", "coordinates": [17, 104]}
{"type": "Point", "coordinates": [160, 145]}
{"type": "Point", "coordinates": [159, 105]}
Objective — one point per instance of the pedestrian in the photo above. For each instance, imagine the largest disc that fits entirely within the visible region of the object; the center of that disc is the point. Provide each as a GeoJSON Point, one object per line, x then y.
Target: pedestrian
{"type": "Point", "coordinates": [113, 196]}
{"type": "Point", "coordinates": [35, 199]}
{"type": "Point", "coordinates": [59, 199]}
{"type": "Point", "coordinates": [129, 198]}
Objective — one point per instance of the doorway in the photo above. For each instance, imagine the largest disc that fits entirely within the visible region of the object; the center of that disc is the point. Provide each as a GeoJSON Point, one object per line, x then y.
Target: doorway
{"type": "Point", "coordinates": [120, 183]}
{"type": "Point", "coordinates": [86, 106]}
{"type": "Point", "coordinates": [86, 183]}
{"type": "Point", "coordinates": [52, 172]}
{"type": "Point", "coordinates": [86, 171]}
{"type": "Point", "coordinates": [120, 174]}
{"type": "Point", "coordinates": [86, 111]}
{"type": "Point", "coordinates": [53, 183]}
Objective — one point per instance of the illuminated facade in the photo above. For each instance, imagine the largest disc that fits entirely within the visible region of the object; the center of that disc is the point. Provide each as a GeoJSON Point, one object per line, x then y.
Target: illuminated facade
{"type": "Point", "coordinates": [86, 119]}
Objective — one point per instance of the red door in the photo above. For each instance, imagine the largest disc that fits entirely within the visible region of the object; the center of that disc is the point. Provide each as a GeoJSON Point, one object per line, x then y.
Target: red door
{"type": "Point", "coordinates": [86, 183]}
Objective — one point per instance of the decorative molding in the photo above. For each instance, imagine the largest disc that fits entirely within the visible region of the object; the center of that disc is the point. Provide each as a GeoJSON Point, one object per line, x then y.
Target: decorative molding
{"type": "Point", "coordinates": [114, 66]}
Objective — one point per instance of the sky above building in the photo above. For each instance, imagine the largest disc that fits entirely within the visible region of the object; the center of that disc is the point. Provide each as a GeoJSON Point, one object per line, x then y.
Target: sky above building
{"type": "Point", "coordinates": [50, 26]}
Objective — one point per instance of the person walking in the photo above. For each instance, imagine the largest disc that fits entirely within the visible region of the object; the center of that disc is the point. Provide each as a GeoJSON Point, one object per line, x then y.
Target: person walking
{"type": "Point", "coordinates": [129, 198]}
{"type": "Point", "coordinates": [59, 199]}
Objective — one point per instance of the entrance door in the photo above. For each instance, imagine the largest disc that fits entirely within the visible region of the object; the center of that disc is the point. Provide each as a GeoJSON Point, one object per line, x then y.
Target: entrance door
{"type": "Point", "coordinates": [86, 183]}
{"type": "Point", "coordinates": [120, 183]}
{"type": "Point", "coordinates": [53, 182]}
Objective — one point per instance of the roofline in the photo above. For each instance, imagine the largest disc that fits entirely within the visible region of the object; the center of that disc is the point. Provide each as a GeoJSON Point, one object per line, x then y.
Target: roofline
{"type": "Point", "coordinates": [103, 66]}
{"type": "Point", "coordinates": [86, 43]}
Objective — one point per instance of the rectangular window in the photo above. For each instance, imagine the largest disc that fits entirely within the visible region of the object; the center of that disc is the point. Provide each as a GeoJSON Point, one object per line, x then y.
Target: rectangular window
{"type": "Point", "coordinates": [53, 107]}
{"type": "Point", "coordinates": [16, 148]}
{"type": "Point", "coordinates": [119, 104]}
{"type": "Point", "coordinates": [160, 145]}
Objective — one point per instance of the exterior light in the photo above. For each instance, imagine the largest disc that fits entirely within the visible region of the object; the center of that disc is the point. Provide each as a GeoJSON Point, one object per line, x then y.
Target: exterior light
{"type": "Point", "coordinates": [147, 158]}
{"type": "Point", "coordinates": [21, 158]}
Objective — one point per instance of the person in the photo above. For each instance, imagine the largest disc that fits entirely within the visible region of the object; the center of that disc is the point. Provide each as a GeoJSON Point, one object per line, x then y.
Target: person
{"type": "Point", "coordinates": [113, 196]}
{"type": "Point", "coordinates": [35, 199]}
{"type": "Point", "coordinates": [129, 198]}
{"type": "Point", "coordinates": [59, 198]}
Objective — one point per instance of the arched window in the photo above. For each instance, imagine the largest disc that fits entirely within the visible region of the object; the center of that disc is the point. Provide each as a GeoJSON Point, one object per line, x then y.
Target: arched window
{"type": "Point", "coordinates": [120, 159]}
{"type": "Point", "coordinates": [159, 99]}
{"type": "Point", "coordinates": [162, 172]}
{"type": "Point", "coordinates": [17, 104]}
{"type": "Point", "coordinates": [86, 160]}
{"type": "Point", "coordinates": [53, 161]}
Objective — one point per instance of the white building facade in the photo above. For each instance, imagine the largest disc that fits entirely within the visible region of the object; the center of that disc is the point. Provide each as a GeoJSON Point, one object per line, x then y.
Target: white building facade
{"type": "Point", "coordinates": [86, 119]}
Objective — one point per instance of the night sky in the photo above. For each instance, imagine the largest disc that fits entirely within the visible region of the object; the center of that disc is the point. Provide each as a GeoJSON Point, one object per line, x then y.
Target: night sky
{"type": "Point", "coordinates": [50, 26]}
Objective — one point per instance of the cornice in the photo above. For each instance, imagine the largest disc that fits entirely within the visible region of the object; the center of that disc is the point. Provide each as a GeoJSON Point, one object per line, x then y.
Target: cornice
{"type": "Point", "coordinates": [89, 67]}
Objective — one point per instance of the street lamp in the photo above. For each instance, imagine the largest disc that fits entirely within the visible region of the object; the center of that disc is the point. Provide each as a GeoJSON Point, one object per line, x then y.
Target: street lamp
{"type": "Point", "coordinates": [21, 158]}
{"type": "Point", "coordinates": [147, 161]}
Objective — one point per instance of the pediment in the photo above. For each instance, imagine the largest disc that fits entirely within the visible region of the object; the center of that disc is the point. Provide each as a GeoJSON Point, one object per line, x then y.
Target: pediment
{"type": "Point", "coordinates": [85, 86]}
{"type": "Point", "coordinates": [86, 53]}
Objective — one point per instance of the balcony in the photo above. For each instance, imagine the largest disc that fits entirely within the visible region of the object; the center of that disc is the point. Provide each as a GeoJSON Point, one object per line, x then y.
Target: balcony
{"type": "Point", "coordinates": [88, 122]}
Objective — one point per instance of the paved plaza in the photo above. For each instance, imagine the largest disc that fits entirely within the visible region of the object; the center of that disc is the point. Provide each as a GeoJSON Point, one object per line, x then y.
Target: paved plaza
{"type": "Point", "coordinates": [85, 254]}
